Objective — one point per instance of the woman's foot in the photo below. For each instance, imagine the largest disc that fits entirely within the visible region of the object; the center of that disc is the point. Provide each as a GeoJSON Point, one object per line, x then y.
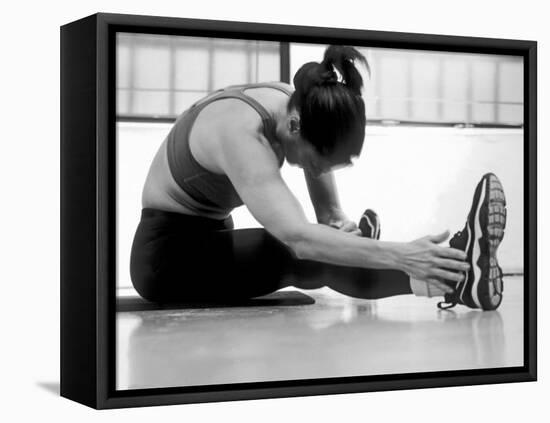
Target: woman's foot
{"type": "Point", "coordinates": [369, 224]}
{"type": "Point", "coordinates": [482, 287]}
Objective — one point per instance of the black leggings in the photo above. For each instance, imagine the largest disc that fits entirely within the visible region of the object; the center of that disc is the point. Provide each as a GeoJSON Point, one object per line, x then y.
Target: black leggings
{"type": "Point", "coordinates": [178, 258]}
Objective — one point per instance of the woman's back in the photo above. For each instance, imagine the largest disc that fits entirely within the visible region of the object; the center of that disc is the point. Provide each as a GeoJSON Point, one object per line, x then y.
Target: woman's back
{"type": "Point", "coordinates": [185, 176]}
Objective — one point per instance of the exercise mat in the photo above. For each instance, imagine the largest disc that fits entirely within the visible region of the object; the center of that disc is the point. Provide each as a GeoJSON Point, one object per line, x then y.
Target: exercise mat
{"type": "Point", "coordinates": [276, 299]}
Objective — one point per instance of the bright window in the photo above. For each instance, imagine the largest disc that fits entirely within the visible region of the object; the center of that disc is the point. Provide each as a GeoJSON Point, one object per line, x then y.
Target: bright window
{"type": "Point", "coordinates": [159, 76]}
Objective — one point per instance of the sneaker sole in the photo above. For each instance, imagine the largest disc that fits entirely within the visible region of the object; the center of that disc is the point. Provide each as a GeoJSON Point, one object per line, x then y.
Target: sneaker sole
{"type": "Point", "coordinates": [486, 231]}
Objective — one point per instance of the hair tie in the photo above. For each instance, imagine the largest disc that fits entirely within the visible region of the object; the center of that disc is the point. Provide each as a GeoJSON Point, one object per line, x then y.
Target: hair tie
{"type": "Point", "coordinates": [327, 74]}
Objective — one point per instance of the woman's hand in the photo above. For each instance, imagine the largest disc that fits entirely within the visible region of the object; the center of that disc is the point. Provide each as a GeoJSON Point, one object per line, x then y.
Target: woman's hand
{"type": "Point", "coordinates": [338, 219]}
{"type": "Point", "coordinates": [425, 260]}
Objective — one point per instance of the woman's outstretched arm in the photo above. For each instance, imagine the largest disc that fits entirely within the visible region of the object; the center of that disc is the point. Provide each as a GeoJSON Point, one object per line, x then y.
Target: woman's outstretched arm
{"type": "Point", "coordinates": [252, 167]}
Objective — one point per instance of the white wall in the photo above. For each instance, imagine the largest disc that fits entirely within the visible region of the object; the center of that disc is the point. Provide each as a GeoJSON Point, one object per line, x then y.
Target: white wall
{"type": "Point", "coordinates": [419, 180]}
{"type": "Point", "coordinates": [30, 188]}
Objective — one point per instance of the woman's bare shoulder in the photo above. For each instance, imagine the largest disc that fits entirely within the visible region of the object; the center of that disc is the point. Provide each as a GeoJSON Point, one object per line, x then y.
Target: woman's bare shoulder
{"type": "Point", "coordinates": [284, 85]}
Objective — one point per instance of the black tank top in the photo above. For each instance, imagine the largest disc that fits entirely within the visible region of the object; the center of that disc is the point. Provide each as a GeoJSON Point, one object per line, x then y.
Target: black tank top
{"type": "Point", "coordinates": [205, 187]}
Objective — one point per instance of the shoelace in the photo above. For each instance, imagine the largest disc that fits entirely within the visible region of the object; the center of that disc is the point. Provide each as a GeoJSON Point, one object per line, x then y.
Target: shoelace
{"type": "Point", "coordinates": [445, 305]}
{"type": "Point", "coordinates": [450, 300]}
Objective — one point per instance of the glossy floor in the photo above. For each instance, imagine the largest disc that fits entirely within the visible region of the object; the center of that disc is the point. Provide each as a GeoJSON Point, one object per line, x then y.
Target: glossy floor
{"type": "Point", "coordinates": [335, 337]}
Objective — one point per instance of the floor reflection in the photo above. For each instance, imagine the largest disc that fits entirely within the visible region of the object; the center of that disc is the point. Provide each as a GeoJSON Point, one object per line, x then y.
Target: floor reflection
{"type": "Point", "coordinates": [337, 336]}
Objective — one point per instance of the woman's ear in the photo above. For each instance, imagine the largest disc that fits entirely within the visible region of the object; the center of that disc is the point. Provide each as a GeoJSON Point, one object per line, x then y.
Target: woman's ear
{"type": "Point", "coordinates": [294, 125]}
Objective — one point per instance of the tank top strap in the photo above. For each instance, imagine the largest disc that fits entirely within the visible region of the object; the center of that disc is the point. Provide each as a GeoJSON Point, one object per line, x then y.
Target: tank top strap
{"type": "Point", "coordinates": [270, 85]}
{"type": "Point", "coordinates": [267, 120]}
{"type": "Point", "coordinates": [273, 85]}
{"type": "Point", "coordinates": [238, 91]}
{"type": "Point", "coordinates": [269, 123]}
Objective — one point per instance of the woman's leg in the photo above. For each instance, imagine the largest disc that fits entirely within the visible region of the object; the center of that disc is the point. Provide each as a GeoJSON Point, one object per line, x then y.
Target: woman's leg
{"type": "Point", "coordinates": [353, 281]}
{"type": "Point", "coordinates": [179, 258]}
{"type": "Point", "coordinates": [248, 262]}
{"type": "Point", "coordinates": [257, 262]}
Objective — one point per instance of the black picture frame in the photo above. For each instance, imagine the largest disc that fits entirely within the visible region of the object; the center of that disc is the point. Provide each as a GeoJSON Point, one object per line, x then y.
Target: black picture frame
{"type": "Point", "coordinates": [88, 197]}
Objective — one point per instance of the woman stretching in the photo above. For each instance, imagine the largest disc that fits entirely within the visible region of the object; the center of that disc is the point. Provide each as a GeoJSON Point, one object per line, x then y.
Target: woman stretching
{"type": "Point", "coordinates": [227, 150]}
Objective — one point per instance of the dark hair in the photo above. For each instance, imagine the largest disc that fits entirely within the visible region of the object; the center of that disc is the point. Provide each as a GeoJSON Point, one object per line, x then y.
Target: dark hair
{"type": "Point", "coordinates": [332, 111]}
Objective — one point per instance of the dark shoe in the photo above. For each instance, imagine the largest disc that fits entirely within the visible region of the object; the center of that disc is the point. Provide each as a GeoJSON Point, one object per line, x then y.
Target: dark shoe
{"type": "Point", "coordinates": [482, 286]}
{"type": "Point", "coordinates": [369, 224]}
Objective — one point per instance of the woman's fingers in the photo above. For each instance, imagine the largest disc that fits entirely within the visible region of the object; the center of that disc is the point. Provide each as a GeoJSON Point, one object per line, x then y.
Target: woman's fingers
{"type": "Point", "coordinates": [348, 226]}
{"type": "Point", "coordinates": [452, 253]}
{"type": "Point", "coordinates": [447, 275]}
{"type": "Point", "coordinates": [457, 265]}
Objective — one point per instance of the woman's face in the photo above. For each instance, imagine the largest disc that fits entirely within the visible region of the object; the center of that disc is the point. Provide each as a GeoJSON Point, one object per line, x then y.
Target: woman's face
{"type": "Point", "coordinates": [300, 152]}
{"type": "Point", "coordinates": [308, 158]}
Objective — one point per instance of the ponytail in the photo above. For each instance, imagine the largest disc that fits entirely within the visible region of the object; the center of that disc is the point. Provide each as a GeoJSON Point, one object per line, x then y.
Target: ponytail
{"type": "Point", "coordinates": [342, 58]}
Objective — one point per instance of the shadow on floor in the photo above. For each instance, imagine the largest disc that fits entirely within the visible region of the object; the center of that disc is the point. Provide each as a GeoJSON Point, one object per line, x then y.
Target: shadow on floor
{"type": "Point", "coordinates": [51, 387]}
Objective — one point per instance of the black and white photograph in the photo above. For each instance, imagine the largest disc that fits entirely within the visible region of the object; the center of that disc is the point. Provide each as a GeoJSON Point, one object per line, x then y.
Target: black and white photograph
{"type": "Point", "coordinates": [302, 211]}
{"type": "Point", "coordinates": [290, 212]}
